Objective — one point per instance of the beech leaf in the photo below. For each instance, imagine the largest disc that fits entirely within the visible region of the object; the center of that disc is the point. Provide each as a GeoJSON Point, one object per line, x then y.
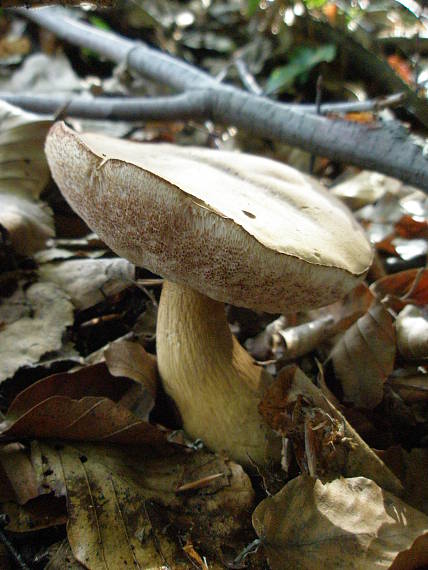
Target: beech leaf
{"type": "Point", "coordinates": [346, 524]}
{"type": "Point", "coordinates": [364, 357]}
{"type": "Point", "coordinates": [412, 332]}
{"type": "Point", "coordinates": [23, 175]}
{"type": "Point", "coordinates": [48, 409]}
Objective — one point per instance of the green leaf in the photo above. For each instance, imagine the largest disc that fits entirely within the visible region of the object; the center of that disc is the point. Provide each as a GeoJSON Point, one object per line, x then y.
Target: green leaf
{"type": "Point", "coordinates": [302, 60]}
{"type": "Point", "coordinates": [252, 6]}
{"type": "Point", "coordinates": [314, 4]}
{"type": "Point", "coordinates": [99, 23]}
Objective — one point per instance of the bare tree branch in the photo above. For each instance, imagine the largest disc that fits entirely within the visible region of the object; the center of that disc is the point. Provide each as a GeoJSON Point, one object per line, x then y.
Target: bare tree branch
{"type": "Point", "coordinates": [385, 148]}
{"type": "Point", "coordinates": [41, 3]}
{"type": "Point", "coordinates": [189, 105]}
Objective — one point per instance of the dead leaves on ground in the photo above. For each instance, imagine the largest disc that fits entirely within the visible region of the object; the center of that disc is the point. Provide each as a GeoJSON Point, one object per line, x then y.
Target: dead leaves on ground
{"type": "Point", "coordinates": [345, 523]}
{"type": "Point", "coordinates": [324, 443]}
{"type": "Point", "coordinates": [77, 406]}
{"type": "Point", "coordinates": [23, 175]}
{"type": "Point", "coordinates": [364, 357]}
{"type": "Point", "coordinates": [128, 506]}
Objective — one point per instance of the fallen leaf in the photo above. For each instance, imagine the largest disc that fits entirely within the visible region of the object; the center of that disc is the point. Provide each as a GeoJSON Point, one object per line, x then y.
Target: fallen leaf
{"type": "Point", "coordinates": [60, 557]}
{"type": "Point", "coordinates": [402, 68]}
{"type": "Point", "coordinates": [364, 356]}
{"type": "Point", "coordinates": [407, 287]}
{"type": "Point", "coordinates": [412, 332]}
{"type": "Point", "coordinates": [36, 320]}
{"type": "Point", "coordinates": [126, 358]}
{"type": "Point", "coordinates": [50, 408]}
{"type": "Point", "coordinates": [23, 175]}
{"type": "Point", "coordinates": [124, 510]}
{"type": "Point", "coordinates": [365, 188]}
{"type": "Point", "coordinates": [346, 524]}
{"type": "Point", "coordinates": [412, 227]}
{"type": "Point", "coordinates": [411, 386]}
{"type": "Point", "coordinates": [89, 281]}
{"type": "Point", "coordinates": [323, 440]}
{"type": "Point", "coordinates": [412, 468]}
{"type": "Point", "coordinates": [44, 511]}
{"type": "Point", "coordinates": [129, 359]}
{"type": "Point", "coordinates": [17, 467]}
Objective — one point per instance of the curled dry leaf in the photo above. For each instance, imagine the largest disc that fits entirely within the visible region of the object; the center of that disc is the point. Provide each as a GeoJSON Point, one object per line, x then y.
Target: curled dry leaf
{"type": "Point", "coordinates": [412, 386]}
{"type": "Point", "coordinates": [89, 281]}
{"type": "Point", "coordinates": [346, 524]}
{"type": "Point", "coordinates": [412, 468]}
{"type": "Point", "coordinates": [327, 322]}
{"type": "Point", "coordinates": [124, 510]}
{"type": "Point", "coordinates": [34, 327]}
{"type": "Point", "coordinates": [126, 358]}
{"type": "Point", "coordinates": [325, 444]}
{"type": "Point", "coordinates": [23, 175]}
{"type": "Point", "coordinates": [365, 188]}
{"type": "Point", "coordinates": [60, 557]}
{"type": "Point", "coordinates": [16, 466]}
{"type": "Point", "coordinates": [49, 409]}
{"type": "Point", "coordinates": [364, 357]}
{"type": "Point", "coordinates": [412, 332]}
{"type": "Point", "coordinates": [405, 287]}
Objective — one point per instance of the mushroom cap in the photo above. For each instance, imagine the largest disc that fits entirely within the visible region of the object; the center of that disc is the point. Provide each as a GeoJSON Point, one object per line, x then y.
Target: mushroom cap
{"type": "Point", "coordinates": [239, 228]}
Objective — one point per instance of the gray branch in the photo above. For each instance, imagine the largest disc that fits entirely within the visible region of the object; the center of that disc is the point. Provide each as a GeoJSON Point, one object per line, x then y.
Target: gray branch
{"type": "Point", "coordinates": [189, 105]}
{"type": "Point", "coordinates": [385, 148]}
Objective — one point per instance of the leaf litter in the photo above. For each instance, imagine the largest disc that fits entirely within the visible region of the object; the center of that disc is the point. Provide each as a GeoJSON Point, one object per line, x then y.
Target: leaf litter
{"type": "Point", "coordinates": [113, 518]}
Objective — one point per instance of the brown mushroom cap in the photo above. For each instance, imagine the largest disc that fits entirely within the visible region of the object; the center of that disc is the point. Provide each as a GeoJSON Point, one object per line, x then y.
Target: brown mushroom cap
{"type": "Point", "coordinates": [241, 229]}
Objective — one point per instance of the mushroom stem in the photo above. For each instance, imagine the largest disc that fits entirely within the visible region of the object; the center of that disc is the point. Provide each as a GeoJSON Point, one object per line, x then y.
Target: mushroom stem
{"type": "Point", "coordinates": [212, 379]}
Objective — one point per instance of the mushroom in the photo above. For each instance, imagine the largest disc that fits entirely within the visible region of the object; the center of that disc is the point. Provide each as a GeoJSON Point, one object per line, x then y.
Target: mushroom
{"type": "Point", "coordinates": [219, 227]}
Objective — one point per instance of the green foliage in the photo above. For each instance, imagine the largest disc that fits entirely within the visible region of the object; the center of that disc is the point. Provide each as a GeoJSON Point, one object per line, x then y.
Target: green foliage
{"type": "Point", "coordinates": [252, 6]}
{"type": "Point", "coordinates": [314, 4]}
{"type": "Point", "coordinates": [301, 61]}
{"type": "Point", "coordinates": [99, 23]}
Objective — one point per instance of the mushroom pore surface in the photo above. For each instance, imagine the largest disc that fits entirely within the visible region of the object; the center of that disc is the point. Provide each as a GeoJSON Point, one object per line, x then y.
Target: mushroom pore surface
{"type": "Point", "coordinates": [240, 229]}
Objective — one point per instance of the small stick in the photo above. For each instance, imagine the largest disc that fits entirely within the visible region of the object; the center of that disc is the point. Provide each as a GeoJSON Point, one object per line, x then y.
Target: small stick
{"type": "Point", "coordinates": [17, 557]}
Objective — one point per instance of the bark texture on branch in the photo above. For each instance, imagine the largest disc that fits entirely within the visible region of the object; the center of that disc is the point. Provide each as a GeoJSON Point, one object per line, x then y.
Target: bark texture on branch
{"type": "Point", "coordinates": [188, 105]}
{"type": "Point", "coordinates": [385, 148]}
{"type": "Point", "coordinates": [41, 3]}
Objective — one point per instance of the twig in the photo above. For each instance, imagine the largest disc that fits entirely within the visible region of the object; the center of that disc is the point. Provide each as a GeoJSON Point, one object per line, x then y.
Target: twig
{"type": "Point", "coordinates": [247, 79]}
{"type": "Point", "coordinates": [318, 99]}
{"type": "Point", "coordinates": [189, 105]}
{"type": "Point", "coordinates": [40, 3]}
{"type": "Point", "coordinates": [17, 557]}
{"type": "Point", "coordinates": [385, 148]}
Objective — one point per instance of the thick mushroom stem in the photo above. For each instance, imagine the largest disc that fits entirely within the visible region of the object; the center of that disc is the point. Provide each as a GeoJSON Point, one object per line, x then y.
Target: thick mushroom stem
{"type": "Point", "coordinates": [212, 379]}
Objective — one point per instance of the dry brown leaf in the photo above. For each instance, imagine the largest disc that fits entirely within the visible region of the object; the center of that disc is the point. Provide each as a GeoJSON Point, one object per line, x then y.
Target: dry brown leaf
{"type": "Point", "coordinates": [48, 409]}
{"type": "Point", "coordinates": [365, 188]}
{"type": "Point", "coordinates": [36, 319]}
{"type": "Point", "coordinates": [306, 337]}
{"type": "Point", "coordinates": [124, 510]}
{"type": "Point", "coordinates": [406, 287]}
{"type": "Point", "coordinates": [89, 281]}
{"type": "Point", "coordinates": [42, 512]}
{"type": "Point", "coordinates": [61, 558]}
{"type": "Point", "coordinates": [364, 357]}
{"type": "Point", "coordinates": [411, 386]}
{"type": "Point", "coordinates": [92, 380]}
{"type": "Point", "coordinates": [412, 332]}
{"type": "Point", "coordinates": [412, 468]}
{"type": "Point", "coordinates": [126, 358]}
{"type": "Point", "coordinates": [23, 175]}
{"type": "Point", "coordinates": [324, 442]}
{"type": "Point", "coordinates": [17, 467]}
{"type": "Point", "coordinates": [346, 524]}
